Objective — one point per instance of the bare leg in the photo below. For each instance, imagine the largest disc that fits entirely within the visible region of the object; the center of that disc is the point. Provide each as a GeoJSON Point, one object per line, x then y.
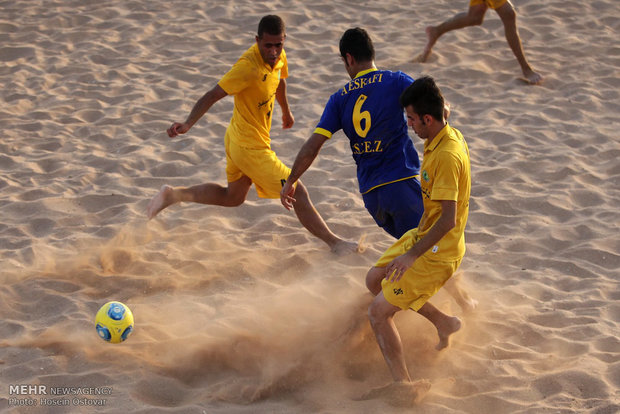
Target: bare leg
{"type": "Point", "coordinates": [373, 279]}
{"type": "Point", "coordinates": [462, 298]}
{"type": "Point", "coordinates": [473, 17]}
{"type": "Point", "coordinates": [314, 223]}
{"type": "Point", "coordinates": [381, 315]}
{"type": "Point", "coordinates": [215, 194]}
{"type": "Point", "coordinates": [509, 19]}
{"type": "Point", "coordinates": [446, 325]}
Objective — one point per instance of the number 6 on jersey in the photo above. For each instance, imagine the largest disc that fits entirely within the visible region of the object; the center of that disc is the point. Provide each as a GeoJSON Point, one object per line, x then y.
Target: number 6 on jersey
{"type": "Point", "coordinates": [358, 116]}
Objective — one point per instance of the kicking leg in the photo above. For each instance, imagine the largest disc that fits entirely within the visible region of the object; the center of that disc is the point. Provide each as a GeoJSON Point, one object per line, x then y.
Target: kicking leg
{"type": "Point", "coordinates": [462, 298]}
{"type": "Point", "coordinates": [473, 17]}
{"type": "Point", "coordinates": [210, 193]}
{"type": "Point", "coordinates": [402, 392]}
{"type": "Point", "coordinates": [446, 325]}
{"type": "Point", "coordinates": [381, 315]}
{"type": "Point", "coordinates": [314, 223]}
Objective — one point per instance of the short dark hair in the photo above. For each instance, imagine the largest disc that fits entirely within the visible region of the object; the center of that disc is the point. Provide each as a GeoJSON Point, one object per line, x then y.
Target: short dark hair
{"type": "Point", "coordinates": [271, 24]}
{"type": "Point", "coordinates": [358, 44]}
{"type": "Point", "coordinates": [424, 96]}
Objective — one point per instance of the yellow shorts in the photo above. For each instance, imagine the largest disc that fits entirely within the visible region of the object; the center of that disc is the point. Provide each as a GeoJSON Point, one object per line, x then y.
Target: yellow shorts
{"type": "Point", "coordinates": [494, 4]}
{"type": "Point", "coordinates": [262, 166]}
{"type": "Point", "coordinates": [420, 281]}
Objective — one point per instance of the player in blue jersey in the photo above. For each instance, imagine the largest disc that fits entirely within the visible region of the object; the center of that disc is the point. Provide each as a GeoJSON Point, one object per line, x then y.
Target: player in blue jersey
{"type": "Point", "coordinates": [368, 112]}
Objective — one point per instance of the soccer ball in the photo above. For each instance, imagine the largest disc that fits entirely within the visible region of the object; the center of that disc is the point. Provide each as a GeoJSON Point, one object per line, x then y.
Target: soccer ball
{"type": "Point", "coordinates": [114, 322]}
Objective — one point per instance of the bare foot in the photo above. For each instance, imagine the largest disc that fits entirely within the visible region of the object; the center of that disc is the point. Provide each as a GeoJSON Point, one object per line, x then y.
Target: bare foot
{"type": "Point", "coordinates": [447, 328]}
{"type": "Point", "coordinates": [432, 36]}
{"type": "Point", "coordinates": [400, 394]}
{"type": "Point", "coordinates": [531, 77]}
{"type": "Point", "coordinates": [163, 199]}
{"type": "Point", "coordinates": [361, 244]}
{"type": "Point", "coordinates": [343, 247]}
{"type": "Point", "coordinates": [468, 304]}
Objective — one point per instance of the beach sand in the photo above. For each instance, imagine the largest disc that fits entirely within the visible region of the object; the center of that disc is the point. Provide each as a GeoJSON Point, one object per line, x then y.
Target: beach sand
{"type": "Point", "coordinates": [240, 310]}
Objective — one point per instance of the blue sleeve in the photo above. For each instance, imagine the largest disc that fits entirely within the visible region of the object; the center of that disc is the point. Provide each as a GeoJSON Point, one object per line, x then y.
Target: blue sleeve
{"type": "Point", "coordinates": [330, 120]}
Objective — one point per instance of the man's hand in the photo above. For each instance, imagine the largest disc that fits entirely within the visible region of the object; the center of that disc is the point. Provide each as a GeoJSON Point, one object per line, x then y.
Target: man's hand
{"type": "Point", "coordinates": [287, 120]}
{"type": "Point", "coordinates": [397, 267]}
{"type": "Point", "coordinates": [286, 195]}
{"type": "Point", "coordinates": [177, 129]}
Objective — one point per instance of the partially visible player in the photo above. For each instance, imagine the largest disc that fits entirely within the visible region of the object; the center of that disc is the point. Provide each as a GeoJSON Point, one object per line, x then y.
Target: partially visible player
{"type": "Point", "coordinates": [256, 81]}
{"type": "Point", "coordinates": [475, 16]}
{"type": "Point", "coordinates": [368, 111]}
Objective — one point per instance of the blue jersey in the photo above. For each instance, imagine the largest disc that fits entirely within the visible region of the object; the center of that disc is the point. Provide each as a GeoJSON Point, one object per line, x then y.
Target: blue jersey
{"type": "Point", "coordinates": [368, 111]}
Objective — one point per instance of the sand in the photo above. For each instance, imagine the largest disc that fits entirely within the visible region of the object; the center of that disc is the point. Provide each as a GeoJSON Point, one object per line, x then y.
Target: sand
{"type": "Point", "coordinates": [241, 310]}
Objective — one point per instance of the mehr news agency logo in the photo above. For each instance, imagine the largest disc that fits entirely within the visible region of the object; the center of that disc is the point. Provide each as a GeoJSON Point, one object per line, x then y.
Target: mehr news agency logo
{"type": "Point", "coordinates": [28, 395]}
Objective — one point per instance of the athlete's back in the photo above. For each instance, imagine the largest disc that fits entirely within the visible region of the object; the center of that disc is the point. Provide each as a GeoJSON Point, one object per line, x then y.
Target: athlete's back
{"type": "Point", "coordinates": [369, 113]}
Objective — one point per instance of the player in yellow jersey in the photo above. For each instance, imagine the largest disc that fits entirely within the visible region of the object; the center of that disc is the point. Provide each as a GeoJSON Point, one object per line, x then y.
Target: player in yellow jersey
{"type": "Point", "coordinates": [416, 266]}
{"type": "Point", "coordinates": [474, 17]}
{"type": "Point", "coordinates": [256, 81]}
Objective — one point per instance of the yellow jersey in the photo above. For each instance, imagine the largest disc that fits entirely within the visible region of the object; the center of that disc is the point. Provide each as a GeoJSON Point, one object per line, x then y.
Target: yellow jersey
{"type": "Point", "coordinates": [253, 84]}
{"type": "Point", "coordinates": [445, 175]}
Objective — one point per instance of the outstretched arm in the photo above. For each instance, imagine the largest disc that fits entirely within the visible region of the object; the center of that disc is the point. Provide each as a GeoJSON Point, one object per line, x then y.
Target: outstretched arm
{"type": "Point", "coordinates": [200, 108]}
{"type": "Point", "coordinates": [287, 115]}
{"type": "Point", "coordinates": [304, 160]}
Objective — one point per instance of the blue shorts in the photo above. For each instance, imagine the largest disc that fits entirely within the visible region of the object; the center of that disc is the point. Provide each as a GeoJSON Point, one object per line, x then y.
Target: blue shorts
{"type": "Point", "coordinates": [396, 207]}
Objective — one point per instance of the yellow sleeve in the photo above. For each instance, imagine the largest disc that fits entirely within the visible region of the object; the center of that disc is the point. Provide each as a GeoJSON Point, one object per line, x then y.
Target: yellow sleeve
{"type": "Point", "coordinates": [284, 70]}
{"type": "Point", "coordinates": [238, 77]}
{"type": "Point", "coordinates": [446, 179]}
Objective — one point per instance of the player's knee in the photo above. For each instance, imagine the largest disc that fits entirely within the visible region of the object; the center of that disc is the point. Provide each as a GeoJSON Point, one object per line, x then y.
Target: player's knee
{"type": "Point", "coordinates": [235, 200]}
{"type": "Point", "coordinates": [375, 313]}
{"type": "Point", "coordinates": [373, 281]}
{"type": "Point", "coordinates": [301, 194]}
{"type": "Point", "coordinates": [476, 20]}
{"type": "Point", "coordinates": [301, 190]}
